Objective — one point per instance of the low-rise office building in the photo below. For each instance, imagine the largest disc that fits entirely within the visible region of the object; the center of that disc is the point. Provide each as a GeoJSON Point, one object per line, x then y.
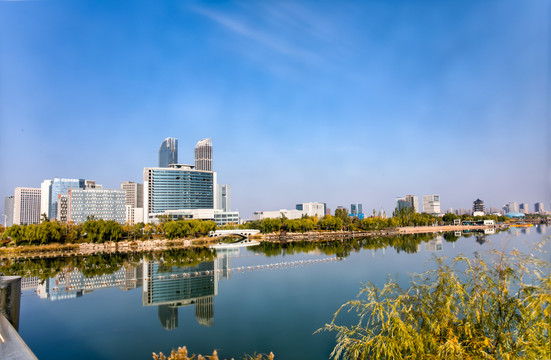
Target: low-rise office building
{"type": "Point", "coordinates": [106, 204]}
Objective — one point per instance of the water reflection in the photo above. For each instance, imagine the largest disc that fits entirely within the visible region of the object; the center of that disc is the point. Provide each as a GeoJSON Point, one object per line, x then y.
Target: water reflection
{"type": "Point", "coordinates": [182, 278]}
{"type": "Point", "coordinates": [165, 286]}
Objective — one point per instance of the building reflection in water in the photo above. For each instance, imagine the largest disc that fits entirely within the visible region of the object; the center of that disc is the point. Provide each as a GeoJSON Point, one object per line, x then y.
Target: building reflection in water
{"type": "Point", "coordinates": [434, 244]}
{"type": "Point", "coordinates": [181, 286]}
{"type": "Point", "coordinates": [168, 288]}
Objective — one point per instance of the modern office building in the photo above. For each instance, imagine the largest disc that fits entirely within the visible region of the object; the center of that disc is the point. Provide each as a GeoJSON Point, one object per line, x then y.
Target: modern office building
{"type": "Point", "coordinates": [168, 152]}
{"type": "Point", "coordinates": [26, 206]}
{"type": "Point", "coordinates": [106, 204]}
{"type": "Point", "coordinates": [538, 208]}
{"type": "Point", "coordinates": [51, 189]}
{"type": "Point", "coordinates": [223, 197]}
{"type": "Point", "coordinates": [8, 211]}
{"type": "Point", "coordinates": [203, 155]}
{"type": "Point", "coordinates": [523, 208]}
{"type": "Point", "coordinates": [408, 202]}
{"type": "Point", "coordinates": [431, 204]}
{"type": "Point", "coordinates": [178, 187]}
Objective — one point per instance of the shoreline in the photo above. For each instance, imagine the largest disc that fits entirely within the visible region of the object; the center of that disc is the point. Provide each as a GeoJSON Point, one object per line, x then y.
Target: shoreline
{"type": "Point", "coordinates": [133, 246]}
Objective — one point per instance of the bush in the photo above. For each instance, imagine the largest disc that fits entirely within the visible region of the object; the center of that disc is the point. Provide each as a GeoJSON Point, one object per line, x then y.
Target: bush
{"type": "Point", "coordinates": [473, 309]}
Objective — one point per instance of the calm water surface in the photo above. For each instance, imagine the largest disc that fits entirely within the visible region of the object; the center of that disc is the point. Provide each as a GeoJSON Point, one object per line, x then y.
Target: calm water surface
{"type": "Point", "coordinates": [237, 302]}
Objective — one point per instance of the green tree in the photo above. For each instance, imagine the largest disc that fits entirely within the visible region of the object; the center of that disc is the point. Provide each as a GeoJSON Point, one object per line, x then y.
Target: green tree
{"type": "Point", "coordinates": [473, 309]}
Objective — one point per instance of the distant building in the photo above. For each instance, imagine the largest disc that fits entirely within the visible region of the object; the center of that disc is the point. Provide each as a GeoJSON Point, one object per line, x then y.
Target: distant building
{"type": "Point", "coordinates": [133, 215]}
{"type": "Point", "coordinates": [26, 206]}
{"type": "Point", "coordinates": [223, 197]}
{"type": "Point", "coordinates": [356, 211]}
{"type": "Point", "coordinates": [308, 209]}
{"type": "Point", "coordinates": [431, 204]}
{"type": "Point", "coordinates": [134, 193]}
{"type": "Point", "coordinates": [106, 204]}
{"type": "Point", "coordinates": [8, 211]}
{"type": "Point", "coordinates": [51, 189]}
{"type": "Point", "coordinates": [512, 207]}
{"type": "Point", "coordinates": [478, 206]}
{"type": "Point", "coordinates": [312, 209]}
{"type": "Point", "coordinates": [62, 208]}
{"type": "Point", "coordinates": [91, 184]}
{"type": "Point", "coordinates": [134, 201]}
{"type": "Point", "coordinates": [327, 211]}
{"type": "Point", "coordinates": [408, 202]}
{"type": "Point", "coordinates": [220, 217]}
{"type": "Point", "coordinates": [168, 152]}
{"type": "Point", "coordinates": [523, 208]}
{"type": "Point", "coordinates": [460, 212]}
{"type": "Point", "coordinates": [538, 208]}
{"type": "Point", "coordinates": [203, 155]}
{"type": "Point", "coordinates": [178, 187]}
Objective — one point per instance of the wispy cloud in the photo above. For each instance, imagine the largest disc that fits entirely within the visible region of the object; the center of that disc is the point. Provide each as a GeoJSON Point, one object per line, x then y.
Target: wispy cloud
{"type": "Point", "coordinates": [265, 38]}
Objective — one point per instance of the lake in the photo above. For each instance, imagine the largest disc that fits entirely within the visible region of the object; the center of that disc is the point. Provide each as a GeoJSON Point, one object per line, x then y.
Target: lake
{"type": "Point", "coordinates": [239, 301]}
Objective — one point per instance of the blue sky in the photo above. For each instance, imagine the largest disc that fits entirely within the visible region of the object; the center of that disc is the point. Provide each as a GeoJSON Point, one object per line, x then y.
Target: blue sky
{"type": "Point", "coordinates": [332, 101]}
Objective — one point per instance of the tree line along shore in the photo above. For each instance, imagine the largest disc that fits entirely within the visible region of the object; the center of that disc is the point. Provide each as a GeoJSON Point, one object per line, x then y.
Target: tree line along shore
{"type": "Point", "coordinates": [57, 235]}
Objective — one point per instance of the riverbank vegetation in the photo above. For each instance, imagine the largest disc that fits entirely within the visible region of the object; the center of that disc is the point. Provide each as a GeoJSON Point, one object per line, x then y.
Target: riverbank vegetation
{"type": "Point", "coordinates": [479, 308]}
{"type": "Point", "coordinates": [100, 231]}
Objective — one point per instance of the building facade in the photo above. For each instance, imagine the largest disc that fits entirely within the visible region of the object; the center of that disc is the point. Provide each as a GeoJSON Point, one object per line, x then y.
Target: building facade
{"type": "Point", "coordinates": [8, 211]}
{"type": "Point", "coordinates": [223, 197]}
{"type": "Point", "coordinates": [106, 204]}
{"type": "Point", "coordinates": [178, 187]}
{"type": "Point", "coordinates": [203, 155]}
{"type": "Point", "coordinates": [51, 189]}
{"type": "Point", "coordinates": [312, 209]}
{"type": "Point", "coordinates": [26, 205]}
{"type": "Point", "coordinates": [134, 193]}
{"type": "Point", "coordinates": [538, 208]}
{"type": "Point", "coordinates": [168, 152]}
{"type": "Point", "coordinates": [431, 204]}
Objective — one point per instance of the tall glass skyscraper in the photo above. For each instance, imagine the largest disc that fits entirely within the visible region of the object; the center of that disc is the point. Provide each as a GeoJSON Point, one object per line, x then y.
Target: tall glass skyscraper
{"type": "Point", "coordinates": [168, 152]}
{"type": "Point", "coordinates": [203, 155]}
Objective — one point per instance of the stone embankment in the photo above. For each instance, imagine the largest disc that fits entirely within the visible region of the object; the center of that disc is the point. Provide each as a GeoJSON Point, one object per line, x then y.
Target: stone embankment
{"type": "Point", "coordinates": [50, 251]}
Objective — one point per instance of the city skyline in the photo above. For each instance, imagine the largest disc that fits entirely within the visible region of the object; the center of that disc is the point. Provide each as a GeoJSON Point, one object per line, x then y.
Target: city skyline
{"type": "Point", "coordinates": [349, 103]}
